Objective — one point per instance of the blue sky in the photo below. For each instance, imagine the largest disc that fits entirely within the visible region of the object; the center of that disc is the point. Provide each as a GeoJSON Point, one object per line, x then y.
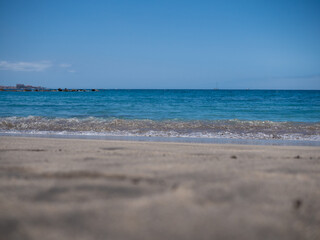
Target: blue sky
{"type": "Point", "coordinates": [161, 44]}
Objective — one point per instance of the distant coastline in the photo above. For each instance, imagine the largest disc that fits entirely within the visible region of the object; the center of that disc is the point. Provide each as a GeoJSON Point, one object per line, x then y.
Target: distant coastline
{"type": "Point", "coordinates": [21, 87]}
{"type": "Point", "coordinates": [30, 88]}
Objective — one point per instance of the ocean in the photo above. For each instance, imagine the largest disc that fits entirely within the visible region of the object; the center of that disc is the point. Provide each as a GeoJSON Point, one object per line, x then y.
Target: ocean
{"type": "Point", "coordinates": [176, 114]}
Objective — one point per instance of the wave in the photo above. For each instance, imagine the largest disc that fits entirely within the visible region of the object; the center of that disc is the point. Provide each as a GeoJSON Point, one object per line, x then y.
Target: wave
{"type": "Point", "coordinates": [237, 129]}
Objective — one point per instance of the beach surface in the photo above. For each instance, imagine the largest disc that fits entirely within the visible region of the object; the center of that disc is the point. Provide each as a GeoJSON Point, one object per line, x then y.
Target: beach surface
{"type": "Point", "coordinates": [81, 189]}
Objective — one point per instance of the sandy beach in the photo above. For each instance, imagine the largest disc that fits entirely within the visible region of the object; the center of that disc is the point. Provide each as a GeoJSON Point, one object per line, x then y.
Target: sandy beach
{"type": "Point", "coordinates": [98, 189]}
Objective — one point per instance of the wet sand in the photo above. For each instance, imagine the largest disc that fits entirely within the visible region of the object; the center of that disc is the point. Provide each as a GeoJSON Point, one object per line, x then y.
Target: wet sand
{"type": "Point", "coordinates": [97, 189]}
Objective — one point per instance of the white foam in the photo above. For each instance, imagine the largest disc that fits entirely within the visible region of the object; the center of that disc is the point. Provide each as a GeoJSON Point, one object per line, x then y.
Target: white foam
{"type": "Point", "coordinates": [232, 129]}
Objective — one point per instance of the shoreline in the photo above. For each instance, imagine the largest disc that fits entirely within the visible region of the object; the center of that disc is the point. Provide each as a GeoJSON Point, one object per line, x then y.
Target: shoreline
{"type": "Point", "coordinates": [56, 188]}
{"type": "Point", "coordinates": [267, 142]}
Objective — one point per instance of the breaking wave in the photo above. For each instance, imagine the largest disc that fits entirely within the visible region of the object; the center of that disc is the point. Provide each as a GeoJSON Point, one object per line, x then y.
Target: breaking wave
{"type": "Point", "coordinates": [237, 129]}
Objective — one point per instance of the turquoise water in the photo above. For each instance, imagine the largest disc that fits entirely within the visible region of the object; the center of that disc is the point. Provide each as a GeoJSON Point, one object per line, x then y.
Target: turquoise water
{"type": "Point", "coordinates": [252, 114]}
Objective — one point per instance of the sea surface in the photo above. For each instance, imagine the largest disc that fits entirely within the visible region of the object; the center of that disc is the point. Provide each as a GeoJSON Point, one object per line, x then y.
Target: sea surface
{"type": "Point", "coordinates": [203, 114]}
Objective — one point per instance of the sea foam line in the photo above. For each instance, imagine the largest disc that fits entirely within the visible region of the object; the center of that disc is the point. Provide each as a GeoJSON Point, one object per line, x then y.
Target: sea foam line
{"type": "Point", "coordinates": [238, 129]}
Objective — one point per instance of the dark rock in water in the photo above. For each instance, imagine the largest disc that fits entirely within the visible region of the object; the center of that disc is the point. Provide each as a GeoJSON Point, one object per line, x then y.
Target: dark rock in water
{"type": "Point", "coordinates": [94, 90]}
{"type": "Point", "coordinates": [59, 89]}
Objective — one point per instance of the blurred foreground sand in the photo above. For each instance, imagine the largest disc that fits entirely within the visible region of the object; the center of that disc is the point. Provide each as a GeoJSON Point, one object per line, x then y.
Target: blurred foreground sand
{"type": "Point", "coordinates": [97, 189]}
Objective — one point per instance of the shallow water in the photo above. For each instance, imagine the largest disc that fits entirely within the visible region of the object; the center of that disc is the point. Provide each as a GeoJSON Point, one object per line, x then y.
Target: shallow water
{"type": "Point", "coordinates": [231, 114]}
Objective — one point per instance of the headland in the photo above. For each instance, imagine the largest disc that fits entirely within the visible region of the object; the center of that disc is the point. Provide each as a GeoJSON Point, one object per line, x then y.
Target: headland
{"type": "Point", "coordinates": [30, 88]}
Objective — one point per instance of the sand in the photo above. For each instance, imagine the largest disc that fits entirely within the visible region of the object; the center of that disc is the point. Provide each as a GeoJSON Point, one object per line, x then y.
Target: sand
{"type": "Point", "coordinates": [99, 189]}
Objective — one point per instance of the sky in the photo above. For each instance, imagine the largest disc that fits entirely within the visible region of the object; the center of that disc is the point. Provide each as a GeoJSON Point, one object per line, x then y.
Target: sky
{"type": "Point", "coordinates": [156, 44]}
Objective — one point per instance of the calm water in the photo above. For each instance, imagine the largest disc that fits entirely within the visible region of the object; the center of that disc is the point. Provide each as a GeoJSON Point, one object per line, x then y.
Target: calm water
{"type": "Point", "coordinates": [253, 114]}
